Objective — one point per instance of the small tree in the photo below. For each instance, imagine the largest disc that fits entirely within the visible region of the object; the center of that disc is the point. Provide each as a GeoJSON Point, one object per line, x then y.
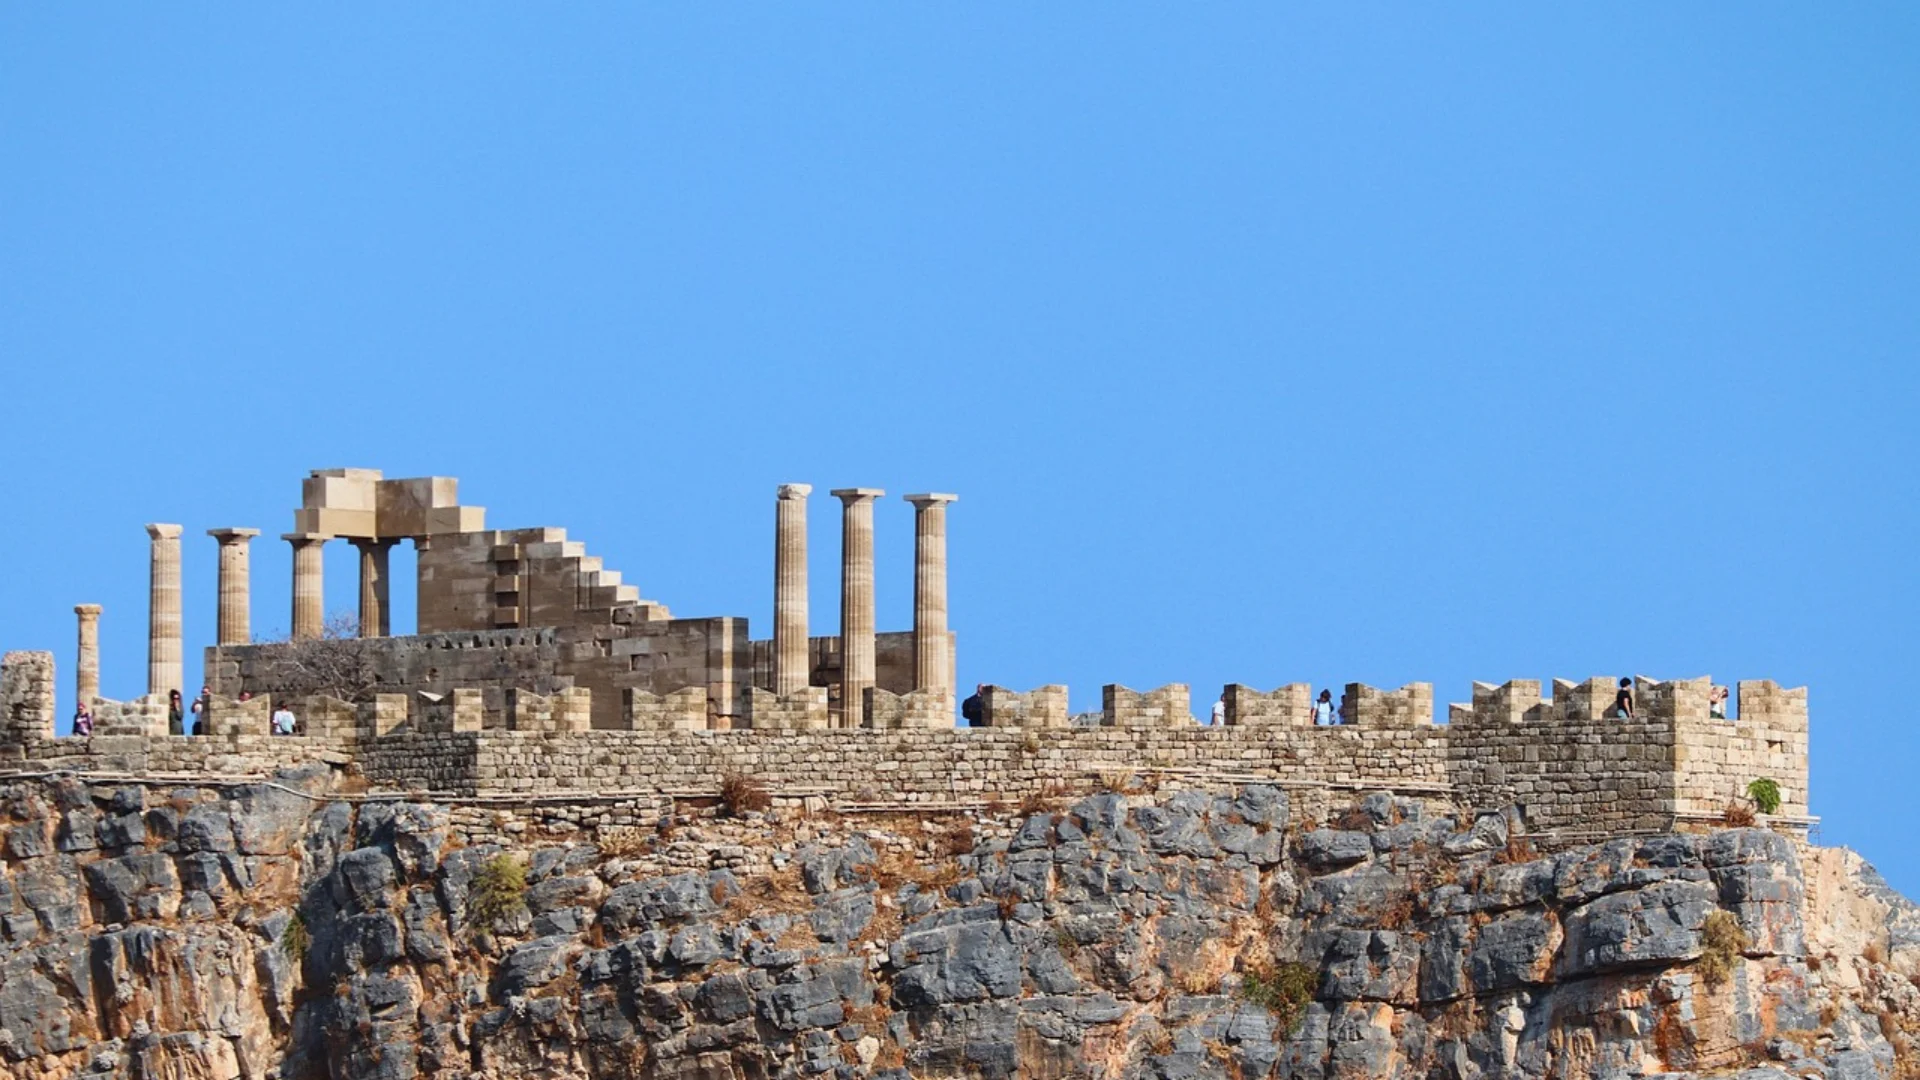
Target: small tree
{"type": "Point", "coordinates": [336, 664]}
{"type": "Point", "coordinates": [499, 887]}
{"type": "Point", "coordinates": [1765, 795]}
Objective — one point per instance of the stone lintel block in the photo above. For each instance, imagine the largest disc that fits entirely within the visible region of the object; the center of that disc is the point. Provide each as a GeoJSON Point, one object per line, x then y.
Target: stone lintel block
{"type": "Point", "coordinates": [455, 519]}
{"type": "Point", "coordinates": [352, 524]}
{"type": "Point", "coordinates": [339, 493]}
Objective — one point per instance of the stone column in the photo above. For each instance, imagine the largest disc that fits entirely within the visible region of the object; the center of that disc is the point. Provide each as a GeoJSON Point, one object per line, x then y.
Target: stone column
{"type": "Point", "coordinates": [235, 625]}
{"type": "Point", "coordinates": [309, 599]}
{"type": "Point", "coordinates": [374, 618]}
{"type": "Point", "coordinates": [931, 664]}
{"type": "Point", "coordinates": [790, 589]}
{"type": "Point", "coordinates": [163, 612]}
{"type": "Point", "coordinates": [86, 669]}
{"type": "Point", "coordinates": [856, 601]}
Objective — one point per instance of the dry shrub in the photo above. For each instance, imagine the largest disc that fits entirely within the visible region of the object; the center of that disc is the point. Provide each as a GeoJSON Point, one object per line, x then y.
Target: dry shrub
{"type": "Point", "coordinates": [1199, 981]}
{"type": "Point", "coordinates": [1874, 953]}
{"type": "Point", "coordinates": [742, 795]}
{"type": "Point", "coordinates": [1738, 815]}
{"type": "Point", "coordinates": [1721, 943]}
{"type": "Point", "coordinates": [499, 887]}
{"type": "Point", "coordinates": [622, 841]}
{"type": "Point", "coordinates": [1354, 819]}
{"type": "Point", "coordinates": [957, 840]}
{"type": "Point", "coordinates": [1008, 905]}
{"type": "Point", "coordinates": [1519, 849]}
{"type": "Point", "coordinates": [1119, 782]}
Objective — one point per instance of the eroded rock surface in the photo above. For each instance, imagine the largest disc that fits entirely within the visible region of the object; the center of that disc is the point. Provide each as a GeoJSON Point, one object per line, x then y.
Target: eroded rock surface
{"type": "Point", "coordinates": [285, 930]}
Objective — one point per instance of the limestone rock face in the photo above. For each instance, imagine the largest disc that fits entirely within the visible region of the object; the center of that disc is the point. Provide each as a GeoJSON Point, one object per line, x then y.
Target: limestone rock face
{"type": "Point", "coordinates": [291, 930]}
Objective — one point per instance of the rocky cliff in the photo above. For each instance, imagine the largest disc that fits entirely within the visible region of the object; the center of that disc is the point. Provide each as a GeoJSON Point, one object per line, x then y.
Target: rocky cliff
{"type": "Point", "coordinates": [290, 929]}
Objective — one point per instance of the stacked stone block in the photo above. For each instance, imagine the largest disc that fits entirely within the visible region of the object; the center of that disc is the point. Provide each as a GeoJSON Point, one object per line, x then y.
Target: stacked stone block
{"type": "Point", "coordinates": [1289, 706]}
{"type": "Point", "coordinates": [26, 697]}
{"type": "Point", "coordinates": [803, 710]}
{"type": "Point", "coordinates": [1041, 707]}
{"type": "Point", "coordinates": [1366, 706]}
{"type": "Point", "coordinates": [1165, 707]}
{"type": "Point", "coordinates": [682, 710]}
{"type": "Point", "coordinates": [917, 709]}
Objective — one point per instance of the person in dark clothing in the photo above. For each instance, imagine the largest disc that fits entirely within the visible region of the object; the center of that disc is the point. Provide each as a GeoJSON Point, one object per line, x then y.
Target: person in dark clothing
{"type": "Point", "coordinates": [1623, 701]}
{"type": "Point", "coordinates": [973, 709]}
{"type": "Point", "coordinates": [176, 714]}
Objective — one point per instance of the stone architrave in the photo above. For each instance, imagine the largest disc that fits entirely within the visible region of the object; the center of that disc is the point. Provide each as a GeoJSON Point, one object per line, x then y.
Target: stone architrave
{"type": "Point", "coordinates": [309, 596]}
{"type": "Point", "coordinates": [931, 663]}
{"type": "Point", "coordinates": [374, 583]}
{"type": "Point", "coordinates": [856, 601]}
{"type": "Point", "coordinates": [164, 670]}
{"type": "Point", "coordinates": [235, 622]}
{"type": "Point", "coordinates": [790, 589]}
{"type": "Point", "coordinates": [86, 669]}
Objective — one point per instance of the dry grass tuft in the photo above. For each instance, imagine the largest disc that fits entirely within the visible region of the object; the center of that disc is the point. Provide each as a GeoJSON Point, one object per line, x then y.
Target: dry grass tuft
{"type": "Point", "coordinates": [742, 794]}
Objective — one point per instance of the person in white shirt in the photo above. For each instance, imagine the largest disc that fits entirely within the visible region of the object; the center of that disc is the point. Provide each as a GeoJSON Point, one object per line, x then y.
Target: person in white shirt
{"type": "Point", "coordinates": [1220, 713]}
{"type": "Point", "coordinates": [283, 721]}
{"type": "Point", "coordinates": [1323, 715]}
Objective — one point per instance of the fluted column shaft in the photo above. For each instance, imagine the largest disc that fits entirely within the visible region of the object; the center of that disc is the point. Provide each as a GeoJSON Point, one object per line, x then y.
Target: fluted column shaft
{"type": "Point", "coordinates": [374, 582]}
{"type": "Point", "coordinates": [309, 596]}
{"type": "Point", "coordinates": [235, 622]}
{"type": "Point", "coordinates": [86, 669]}
{"type": "Point", "coordinates": [790, 589]}
{"type": "Point", "coordinates": [931, 662]}
{"type": "Point", "coordinates": [163, 611]}
{"type": "Point", "coordinates": [856, 601]}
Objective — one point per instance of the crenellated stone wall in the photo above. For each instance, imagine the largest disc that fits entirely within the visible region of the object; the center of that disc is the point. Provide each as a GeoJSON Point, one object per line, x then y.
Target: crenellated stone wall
{"type": "Point", "coordinates": [1565, 768]}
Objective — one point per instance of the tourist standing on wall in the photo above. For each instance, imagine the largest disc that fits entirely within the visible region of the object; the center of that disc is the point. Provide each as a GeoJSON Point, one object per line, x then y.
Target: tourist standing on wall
{"type": "Point", "coordinates": [201, 706]}
{"type": "Point", "coordinates": [1717, 703]}
{"type": "Point", "coordinates": [1623, 701]}
{"type": "Point", "coordinates": [283, 720]}
{"type": "Point", "coordinates": [176, 716]}
{"type": "Point", "coordinates": [83, 720]}
{"type": "Point", "coordinates": [972, 709]}
{"type": "Point", "coordinates": [1323, 710]}
{"type": "Point", "coordinates": [1219, 713]}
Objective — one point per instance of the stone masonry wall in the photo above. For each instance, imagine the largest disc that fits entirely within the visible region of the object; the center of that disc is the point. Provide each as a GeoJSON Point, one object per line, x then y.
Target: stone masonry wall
{"type": "Point", "coordinates": [659, 657]}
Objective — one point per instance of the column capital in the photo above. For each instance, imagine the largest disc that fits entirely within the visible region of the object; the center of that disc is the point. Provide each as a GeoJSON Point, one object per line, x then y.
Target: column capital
{"type": "Point", "coordinates": [233, 536]}
{"type": "Point", "coordinates": [164, 532]}
{"type": "Point", "coordinates": [795, 491]}
{"type": "Point", "coordinates": [930, 499]}
{"type": "Point", "coordinates": [373, 541]}
{"type": "Point", "coordinates": [87, 610]}
{"type": "Point", "coordinates": [298, 538]}
{"type": "Point", "coordinates": [853, 495]}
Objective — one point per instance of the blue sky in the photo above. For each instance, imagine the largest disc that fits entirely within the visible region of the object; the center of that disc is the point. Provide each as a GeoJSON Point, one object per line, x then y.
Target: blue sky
{"type": "Point", "coordinates": [1261, 345]}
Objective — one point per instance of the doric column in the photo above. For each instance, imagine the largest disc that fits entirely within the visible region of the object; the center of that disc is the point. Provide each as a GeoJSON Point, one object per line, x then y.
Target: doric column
{"type": "Point", "coordinates": [856, 601]}
{"type": "Point", "coordinates": [931, 663]}
{"type": "Point", "coordinates": [790, 589]}
{"type": "Point", "coordinates": [235, 624]}
{"type": "Point", "coordinates": [86, 670]}
{"type": "Point", "coordinates": [374, 618]}
{"type": "Point", "coordinates": [163, 612]}
{"type": "Point", "coordinates": [309, 599]}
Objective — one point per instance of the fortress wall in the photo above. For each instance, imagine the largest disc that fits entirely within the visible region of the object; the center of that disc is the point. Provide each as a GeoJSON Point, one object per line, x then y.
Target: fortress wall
{"type": "Point", "coordinates": [1715, 760]}
{"type": "Point", "coordinates": [926, 765]}
{"type": "Point", "coordinates": [659, 657]}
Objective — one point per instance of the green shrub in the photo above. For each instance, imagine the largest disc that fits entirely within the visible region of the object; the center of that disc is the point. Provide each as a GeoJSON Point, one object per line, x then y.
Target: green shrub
{"type": "Point", "coordinates": [499, 887]}
{"type": "Point", "coordinates": [295, 940]}
{"type": "Point", "coordinates": [1765, 795]}
{"type": "Point", "coordinates": [1282, 989]}
{"type": "Point", "coordinates": [1721, 943]}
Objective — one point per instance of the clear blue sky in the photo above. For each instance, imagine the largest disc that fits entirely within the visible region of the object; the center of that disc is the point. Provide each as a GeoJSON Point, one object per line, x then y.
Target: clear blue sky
{"type": "Point", "coordinates": [1376, 344]}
